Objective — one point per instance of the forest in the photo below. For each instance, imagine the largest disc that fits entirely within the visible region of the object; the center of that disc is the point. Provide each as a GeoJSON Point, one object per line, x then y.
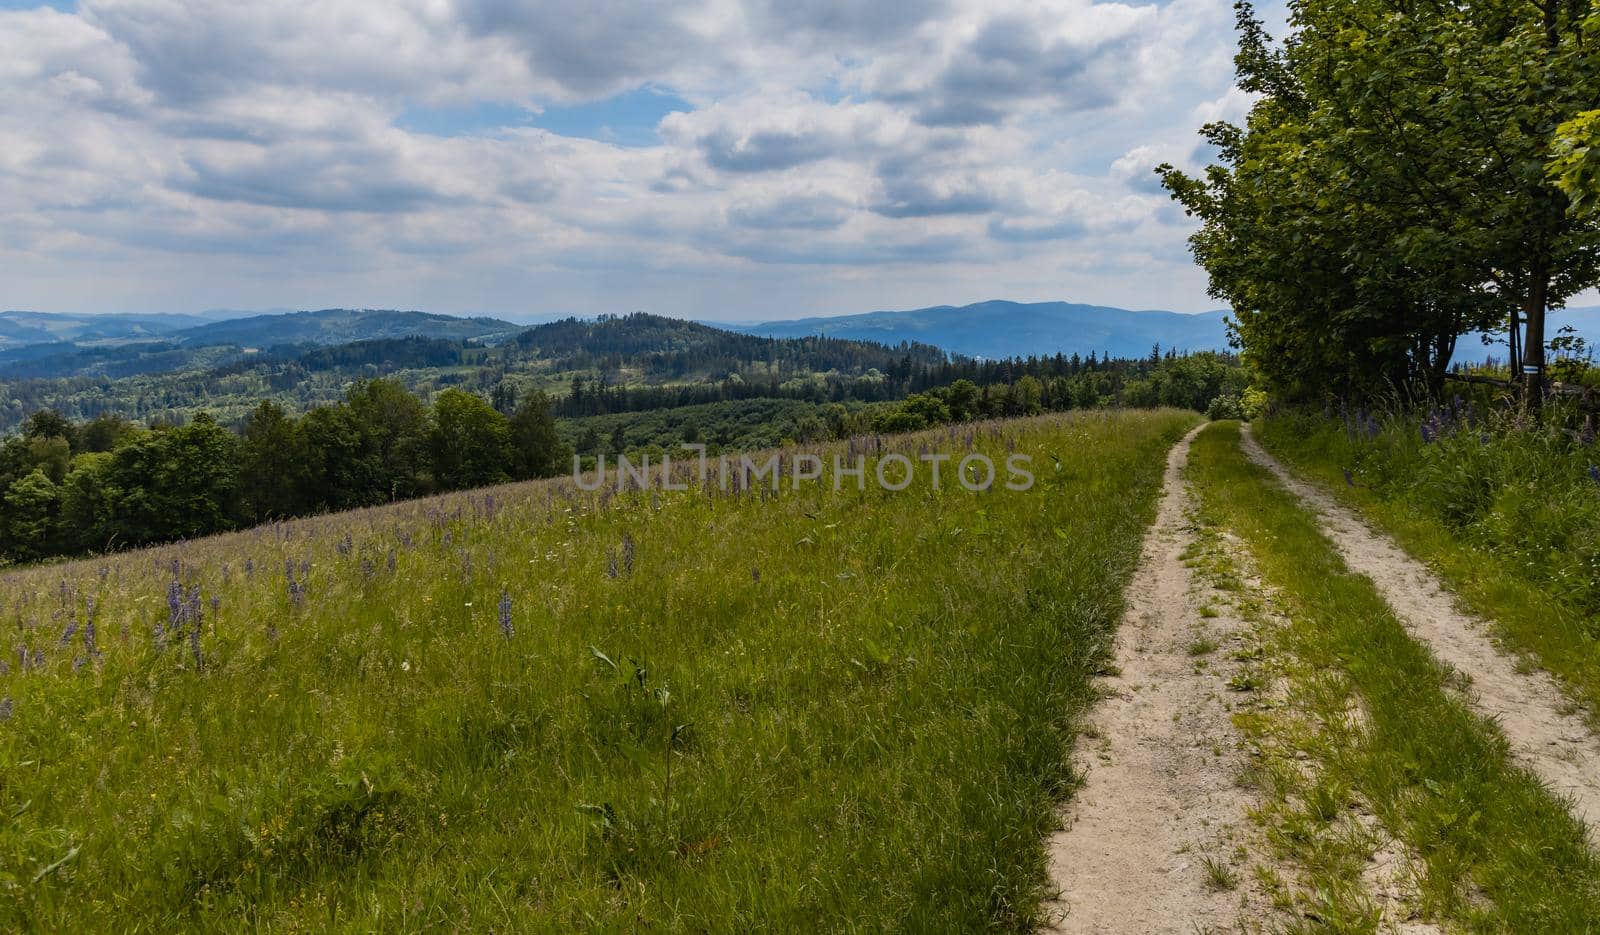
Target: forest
{"type": "Point", "coordinates": [97, 485]}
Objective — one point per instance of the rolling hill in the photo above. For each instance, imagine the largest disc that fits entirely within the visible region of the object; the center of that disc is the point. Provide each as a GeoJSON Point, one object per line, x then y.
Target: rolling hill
{"type": "Point", "coordinates": [1014, 329]}
{"type": "Point", "coordinates": [342, 326]}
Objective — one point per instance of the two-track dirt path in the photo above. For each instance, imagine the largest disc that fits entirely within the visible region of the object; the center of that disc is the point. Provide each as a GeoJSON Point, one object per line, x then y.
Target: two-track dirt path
{"type": "Point", "coordinates": [1161, 757]}
{"type": "Point", "coordinates": [1545, 737]}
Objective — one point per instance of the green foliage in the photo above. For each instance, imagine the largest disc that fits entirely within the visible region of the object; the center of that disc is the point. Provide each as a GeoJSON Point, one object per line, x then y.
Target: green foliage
{"type": "Point", "coordinates": [1387, 193]}
{"type": "Point", "coordinates": [470, 441]}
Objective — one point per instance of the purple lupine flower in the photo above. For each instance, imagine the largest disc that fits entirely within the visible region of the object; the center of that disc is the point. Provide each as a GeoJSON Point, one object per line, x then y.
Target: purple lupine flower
{"type": "Point", "coordinates": [6, 707]}
{"type": "Point", "coordinates": [1349, 478]}
{"type": "Point", "coordinates": [505, 614]}
{"type": "Point", "coordinates": [627, 554]}
{"type": "Point", "coordinates": [174, 614]}
{"type": "Point", "coordinates": [392, 559]}
{"type": "Point", "coordinates": [611, 564]}
{"type": "Point", "coordinates": [1587, 434]}
{"type": "Point", "coordinates": [1427, 433]}
{"type": "Point", "coordinates": [71, 630]}
{"type": "Point", "coordinates": [88, 627]}
{"type": "Point", "coordinates": [1594, 473]}
{"type": "Point", "coordinates": [249, 567]}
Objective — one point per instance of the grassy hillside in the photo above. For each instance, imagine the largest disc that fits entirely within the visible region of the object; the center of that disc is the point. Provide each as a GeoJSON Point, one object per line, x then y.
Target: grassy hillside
{"type": "Point", "coordinates": [535, 707]}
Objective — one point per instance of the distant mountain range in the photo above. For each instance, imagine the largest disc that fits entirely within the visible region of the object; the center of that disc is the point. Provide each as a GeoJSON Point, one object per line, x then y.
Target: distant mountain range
{"type": "Point", "coordinates": [34, 344]}
{"type": "Point", "coordinates": [1015, 329]}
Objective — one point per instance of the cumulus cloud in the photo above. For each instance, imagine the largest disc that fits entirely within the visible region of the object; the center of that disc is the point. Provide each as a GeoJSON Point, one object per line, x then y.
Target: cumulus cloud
{"type": "Point", "coordinates": [165, 152]}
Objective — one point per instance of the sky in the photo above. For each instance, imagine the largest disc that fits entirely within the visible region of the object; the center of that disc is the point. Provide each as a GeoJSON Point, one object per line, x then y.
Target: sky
{"type": "Point", "coordinates": [721, 160]}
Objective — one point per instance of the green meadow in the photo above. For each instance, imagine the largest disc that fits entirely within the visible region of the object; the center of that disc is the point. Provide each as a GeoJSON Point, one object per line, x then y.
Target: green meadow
{"type": "Point", "coordinates": [536, 707]}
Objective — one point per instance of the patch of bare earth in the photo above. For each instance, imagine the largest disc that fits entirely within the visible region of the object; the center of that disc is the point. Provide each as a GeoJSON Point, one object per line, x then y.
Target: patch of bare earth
{"type": "Point", "coordinates": [1546, 737]}
{"type": "Point", "coordinates": [1157, 838]}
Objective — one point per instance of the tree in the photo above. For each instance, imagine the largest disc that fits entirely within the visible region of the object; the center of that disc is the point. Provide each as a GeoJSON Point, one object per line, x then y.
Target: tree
{"type": "Point", "coordinates": [178, 483]}
{"type": "Point", "coordinates": [273, 465]}
{"type": "Point", "coordinates": [1387, 193]}
{"type": "Point", "coordinates": [537, 448]}
{"type": "Point", "coordinates": [32, 508]}
{"type": "Point", "coordinates": [88, 506]}
{"type": "Point", "coordinates": [48, 423]}
{"type": "Point", "coordinates": [962, 399]}
{"type": "Point", "coordinates": [470, 441]}
{"type": "Point", "coordinates": [392, 428]}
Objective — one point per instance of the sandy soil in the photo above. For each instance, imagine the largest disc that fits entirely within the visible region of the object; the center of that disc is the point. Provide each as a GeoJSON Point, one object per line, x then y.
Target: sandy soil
{"type": "Point", "coordinates": [1545, 736]}
{"type": "Point", "coordinates": [1162, 759]}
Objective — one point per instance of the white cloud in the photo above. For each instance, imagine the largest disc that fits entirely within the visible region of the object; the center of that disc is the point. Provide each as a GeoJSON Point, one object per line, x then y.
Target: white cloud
{"type": "Point", "coordinates": [184, 153]}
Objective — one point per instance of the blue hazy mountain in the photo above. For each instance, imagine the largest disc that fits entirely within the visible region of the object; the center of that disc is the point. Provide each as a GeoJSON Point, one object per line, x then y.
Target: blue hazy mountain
{"type": "Point", "coordinates": [18, 329]}
{"type": "Point", "coordinates": [1011, 329]}
{"type": "Point", "coordinates": [1585, 323]}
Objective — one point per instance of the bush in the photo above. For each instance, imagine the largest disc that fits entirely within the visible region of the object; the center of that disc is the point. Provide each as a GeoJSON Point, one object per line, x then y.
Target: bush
{"type": "Point", "coordinates": [1227, 406]}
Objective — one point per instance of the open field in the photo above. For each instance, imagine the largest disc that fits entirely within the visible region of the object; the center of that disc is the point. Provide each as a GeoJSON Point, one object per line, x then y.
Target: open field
{"type": "Point", "coordinates": [535, 707]}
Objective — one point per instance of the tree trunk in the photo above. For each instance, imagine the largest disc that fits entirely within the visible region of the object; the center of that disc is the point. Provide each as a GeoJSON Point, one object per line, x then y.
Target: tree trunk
{"type": "Point", "coordinates": [1533, 344]}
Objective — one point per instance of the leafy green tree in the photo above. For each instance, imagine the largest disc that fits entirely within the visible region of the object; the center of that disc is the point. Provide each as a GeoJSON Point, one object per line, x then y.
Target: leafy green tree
{"type": "Point", "coordinates": [178, 483]}
{"type": "Point", "coordinates": [32, 517]}
{"type": "Point", "coordinates": [104, 433]}
{"type": "Point", "coordinates": [962, 399]}
{"type": "Point", "coordinates": [273, 465]}
{"type": "Point", "coordinates": [48, 423]}
{"type": "Point", "coordinates": [537, 447]}
{"type": "Point", "coordinates": [392, 426]}
{"type": "Point", "coordinates": [88, 504]}
{"type": "Point", "coordinates": [470, 441]}
{"type": "Point", "coordinates": [1388, 192]}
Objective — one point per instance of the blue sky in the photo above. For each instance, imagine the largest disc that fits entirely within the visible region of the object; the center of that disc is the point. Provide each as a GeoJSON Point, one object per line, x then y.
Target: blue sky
{"type": "Point", "coordinates": [626, 119]}
{"type": "Point", "coordinates": [729, 159]}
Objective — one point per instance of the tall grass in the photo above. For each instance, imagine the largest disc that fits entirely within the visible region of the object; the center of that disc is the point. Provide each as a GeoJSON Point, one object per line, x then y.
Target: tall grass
{"type": "Point", "coordinates": [534, 707]}
{"type": "Point", "coordinates": [1506, 508]}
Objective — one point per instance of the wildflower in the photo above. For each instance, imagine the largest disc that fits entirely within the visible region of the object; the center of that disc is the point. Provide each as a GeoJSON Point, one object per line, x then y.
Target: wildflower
{"type": "Point", "coordinates": [88, 627]}
{"type": "Point", "coordinates": [611, 564]}
{"type": "Point", "coordinates": [505, 614]}
{"type": "Point", "coordinates": [6, 708]}
{"type": "Point", "coordinates": [627, 553]}
{"type": "Point", "coordinates": [71, 630]}
{"type": "Point", "coordinates": [1594, 473]}
{"type": "Point", "coordinates": [392, 559]}
{"type": "Point", "coordinates": [1349, 478]}
{"type": "Point", "coordinates": [1427, 433]}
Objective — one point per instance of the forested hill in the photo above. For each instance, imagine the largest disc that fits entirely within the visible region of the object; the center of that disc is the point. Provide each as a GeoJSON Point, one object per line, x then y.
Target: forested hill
{"type": "Point", "coordinates": [341, 326]}
{"type": "Point", "coordinates": [674, 347]}
{"type": "Point", "coordinates": [639, 361]}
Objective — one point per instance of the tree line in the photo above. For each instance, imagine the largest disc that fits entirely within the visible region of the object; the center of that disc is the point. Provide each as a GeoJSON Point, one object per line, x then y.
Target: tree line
{"type": "Point", "coordinates": [1409, 173]}
{"type": "Point", "coordinates": [72, 487]}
